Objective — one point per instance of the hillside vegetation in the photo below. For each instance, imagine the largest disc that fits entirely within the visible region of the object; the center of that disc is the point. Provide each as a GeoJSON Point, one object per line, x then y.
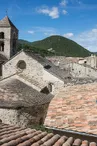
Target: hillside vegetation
{"type": "Point", "coordinates": [55, 45]}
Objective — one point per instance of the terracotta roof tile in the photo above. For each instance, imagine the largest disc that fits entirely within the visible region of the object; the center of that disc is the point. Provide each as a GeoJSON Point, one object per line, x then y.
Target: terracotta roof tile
{"type": "Point", "coordinates": [32, 137]}
{"type": "Point", "coordinates": [60, 141]}
{"type": "Point", "coordinates": [74, 108]}
{"type": "Point", "coordinates": [77, 142]}
{"type": "Point", "coordinates": [85, 143]}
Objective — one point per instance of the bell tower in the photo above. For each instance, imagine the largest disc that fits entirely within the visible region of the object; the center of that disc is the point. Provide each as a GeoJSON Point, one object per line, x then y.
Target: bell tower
{"type": "Point", "coordinates": [8, 38]}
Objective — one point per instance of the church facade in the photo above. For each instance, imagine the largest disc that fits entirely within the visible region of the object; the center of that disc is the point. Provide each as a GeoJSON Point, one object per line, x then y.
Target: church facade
{"type": "Point", "coordinates": [35, 69]}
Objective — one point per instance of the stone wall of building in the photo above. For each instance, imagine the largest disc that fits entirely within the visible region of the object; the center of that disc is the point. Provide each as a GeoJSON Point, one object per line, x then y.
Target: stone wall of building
{"type": "Point", "coordinates": [24, 117]}
{"type": "Point", "coordinates": [13, 41]}
{"type": "Point", "coordinates": [92, 61]}
{"type": "Point", "coordinates": [78, 70]}
{"type": "Point", "coordinates": [6, 40]}
{"type": "Point", "coordinates": [57, 84]}
{"type": "Point", "coordinates": [34, 70]}
{"type": "Point", "coordinates": [62, 60]}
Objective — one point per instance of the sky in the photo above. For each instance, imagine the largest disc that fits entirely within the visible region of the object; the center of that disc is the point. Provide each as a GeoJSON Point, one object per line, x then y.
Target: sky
{"type": "Point", "coordinates": [38, 19]}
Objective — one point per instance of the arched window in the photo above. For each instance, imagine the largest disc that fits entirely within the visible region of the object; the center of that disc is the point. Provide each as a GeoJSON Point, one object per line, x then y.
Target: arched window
{"type": "Point", "coordinates": [21, 64]}
{"type": "Point", "coordinates": [14, 43]}
{"type": "Point", "coordinates": [0, 121]}
{"type": "Point", "coordinates": [1, 35]}
{"type": "Point", "coordinates": [0, 69]}
{"type": "Point", "coordinates": [14, 40]}
{"type": "Point", "coordinates": [2, 46]}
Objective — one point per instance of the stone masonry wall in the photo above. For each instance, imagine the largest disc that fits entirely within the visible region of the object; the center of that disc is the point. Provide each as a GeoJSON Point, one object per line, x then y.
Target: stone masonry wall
{"type": "Point", "coordinates": [24, 117]}
{"type": "Point", "coordinates": [78, 70]}
{"type": "Point", "coordinates": [32, 67]}
{"type": "Point", "coordinates": [14, 32]}
{"type": "Point", "coordinates": [92, 61]}
{"type": "Point", "coordinates": [73, 65]}
{"type": "Point", "coordinates": [34, 70]}
{"type": "Point", "coordinates": [57, 83]}
{"type": "Point", "coordinates": [7, 35]}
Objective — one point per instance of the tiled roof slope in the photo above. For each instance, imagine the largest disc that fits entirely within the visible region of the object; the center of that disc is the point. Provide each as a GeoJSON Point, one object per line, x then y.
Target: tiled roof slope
{"type": "Point", "coordinates": [39, 85]}
{"type": "Point", "coordinates": [14, 94]}
{"type": "Point", "coordinates": [6, 22]}
{"type": "Point", "coordinates": [55, 70]}
{"type": "Point", "coordinates": [74, 108]}
{"type": "Point", "coordinates": [15, 136]}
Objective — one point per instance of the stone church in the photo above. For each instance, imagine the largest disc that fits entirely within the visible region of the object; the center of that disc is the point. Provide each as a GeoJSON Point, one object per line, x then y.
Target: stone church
{"type": "Point", "coordinates": [28, 81]}
{"type": "Point", "coordinates": [30, 66]}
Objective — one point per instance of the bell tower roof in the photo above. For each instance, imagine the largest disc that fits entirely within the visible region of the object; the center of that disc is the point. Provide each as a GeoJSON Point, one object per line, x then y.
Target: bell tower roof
{"type": "Point", "coordinates": [6, 22]}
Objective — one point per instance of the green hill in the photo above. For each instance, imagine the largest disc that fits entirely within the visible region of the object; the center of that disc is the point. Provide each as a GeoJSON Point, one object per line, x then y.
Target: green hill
{"type": "Point", "coordinates": [23, 41]}
{"type": "Point", "coordinates": [57, 45]}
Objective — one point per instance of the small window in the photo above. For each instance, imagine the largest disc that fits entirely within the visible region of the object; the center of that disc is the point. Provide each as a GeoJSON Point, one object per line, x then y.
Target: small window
{"type": "Point", "coordinates": [21, 64]}
{"type": "Point", "coordinates": [47, 66]}
{"type": "Point", "coordinates": [2, 46]}
{"type": "Point", "coordinates": [85, 62]}
{"type": "Point", "coordinates": [1, 35]}
{"type": "Point", "coordinates": [68, 77]}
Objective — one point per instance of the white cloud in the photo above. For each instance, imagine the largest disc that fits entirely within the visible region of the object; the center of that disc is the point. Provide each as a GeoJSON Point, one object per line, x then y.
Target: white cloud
{"type": "Point", "coordinates": [31, 31]}
{"type": "Point", "coordinates": [45, 33]}
{"type": "Point", "coordinates": [68, 35]}
{"type": "Point", "coordinates": [94, 30]}
{"type": "Point", "coordinates": [52, 12]}
{"type": "Point", "coordinates": [64, 3]}
{"type": "Point", "coordinates": [88, 39]}
{"type": "Point", "coordinates": [64, 12]}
